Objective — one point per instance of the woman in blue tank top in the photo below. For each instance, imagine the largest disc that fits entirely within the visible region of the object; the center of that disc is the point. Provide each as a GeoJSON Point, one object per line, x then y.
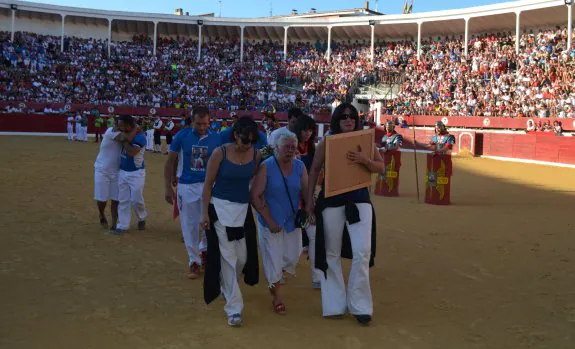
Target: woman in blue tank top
{"type": "Point", "coordinates": [349, 214]}
{"type": "Point", "coordinates": [278, 185]}
{"type": "Point", "coordinates": [228, 221]}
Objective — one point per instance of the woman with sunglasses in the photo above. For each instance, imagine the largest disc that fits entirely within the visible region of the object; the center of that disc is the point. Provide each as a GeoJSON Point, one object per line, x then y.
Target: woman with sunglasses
{"type": "Point", "coordinates": [347, 217]}
{"type": "Point", "coordinates": [279, 183]}
{"type": "Point", "coordinates": [228, 220]}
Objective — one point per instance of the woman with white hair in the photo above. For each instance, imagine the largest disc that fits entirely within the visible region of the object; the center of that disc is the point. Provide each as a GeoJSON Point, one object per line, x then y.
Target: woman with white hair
{"type": "Point", "coordinates": [280, 181]}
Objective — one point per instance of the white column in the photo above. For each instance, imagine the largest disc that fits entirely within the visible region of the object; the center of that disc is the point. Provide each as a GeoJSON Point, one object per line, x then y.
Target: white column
{"type": "Point", "coordinates": [199, 42]}
{"type": "Point", "coordinates": [155, 37]}
{"type": "Point", "coordinates": [328, 43]}
{"type": "Point", "coordinates": [62, 37]}
{"type": "Point", "coordinates": [13, 26]}
{"type": "Point", "coordinates": [372, 43]}
{"type": "Point", "coordinates": [466, 35]}
{"type": "Point", "coordinates": [517, 31]}
{"type": "Point", "coordinates": [109, 36]}
{"type": "Point", "coordinates": [419, 39]}
{"type": "Point", "coordinates": [569, 25]}
{"type": "Point", "coordinates": [242, 44]}
{"type": "Point", "coordinates": [285, 42]}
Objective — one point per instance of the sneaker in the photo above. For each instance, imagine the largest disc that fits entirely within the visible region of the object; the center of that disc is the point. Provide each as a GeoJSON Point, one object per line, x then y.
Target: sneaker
{"type": "Point", "coordinates": [363, 319]}
{"type": "Point", "coordinates": [104, 222]}
{"type": "Point", "coordinates": [142, 225]}
{"type": "Point", "coordinates": [316, 285]}
{"type": "Point", "coordinates": [194, 271]}
{"type": "Point", "coordinates": [235, 320]}
{"type": "Point", "coordinates": [117, 232]}
{"type": "Point", "coordinates": [204, 257]}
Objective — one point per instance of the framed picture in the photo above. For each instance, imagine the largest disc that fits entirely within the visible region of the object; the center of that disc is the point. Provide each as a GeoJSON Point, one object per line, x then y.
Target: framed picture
{"type": "Point", "coordinates": [342, 175]}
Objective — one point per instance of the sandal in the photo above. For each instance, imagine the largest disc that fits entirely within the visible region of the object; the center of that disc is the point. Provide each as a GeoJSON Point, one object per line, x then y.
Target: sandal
{"type": "Point", "coordinates": [279, 308]}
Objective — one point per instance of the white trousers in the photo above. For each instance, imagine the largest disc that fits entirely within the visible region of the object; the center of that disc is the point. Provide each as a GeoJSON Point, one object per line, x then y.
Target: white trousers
{"type": "Point", "coordinates": [105, 186]}
{"type": "Point", "coordinates": [78, 132]}
{"type": "Point", "coordinates": [316, 274]}
{"type": "Point", "coordinates": [70, 130]}
{"type": "Point", "coordinates": [131, 195]}
{"type": "Point", "coordinates": [190, 206]}
{"type": "Point", "coordinates": [358, 299]}
{"type": "Point", "coordinates": [233, 256]}
{"type": "Point", "coordinates": [280, 252]}
{"type": "Point", "coordinates": [150, 140]}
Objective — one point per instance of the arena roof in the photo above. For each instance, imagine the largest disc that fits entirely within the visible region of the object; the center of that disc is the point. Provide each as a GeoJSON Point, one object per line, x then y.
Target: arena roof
{"type": "Point", "coordinates": [489, 18]}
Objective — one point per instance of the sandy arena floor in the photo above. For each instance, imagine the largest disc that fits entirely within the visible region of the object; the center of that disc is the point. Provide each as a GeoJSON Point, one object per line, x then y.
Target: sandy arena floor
{"type": "Point", "coordinates": [494, 270]}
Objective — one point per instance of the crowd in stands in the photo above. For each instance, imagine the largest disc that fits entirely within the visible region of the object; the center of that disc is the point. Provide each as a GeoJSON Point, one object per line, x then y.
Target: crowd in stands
{"type": "Point", "coordinates": [491, 81]}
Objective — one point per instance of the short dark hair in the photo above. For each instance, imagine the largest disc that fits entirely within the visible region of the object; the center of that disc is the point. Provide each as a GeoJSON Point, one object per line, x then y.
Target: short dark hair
{"type": "Point", "coordinates": [294, 113]}
{"type": "Point", "coordinates": [127, 119]}
{"type": "Point", "coordinates": [336, 117]}
{"type": "Point", "coordinates": [200, 112]}
{"type": "Point", "coordinates": [246, 126]}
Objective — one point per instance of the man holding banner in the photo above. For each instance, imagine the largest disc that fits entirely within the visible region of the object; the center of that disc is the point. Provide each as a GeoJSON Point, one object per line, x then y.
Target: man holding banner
{"type": "Point", "coordinates": [387, 183]}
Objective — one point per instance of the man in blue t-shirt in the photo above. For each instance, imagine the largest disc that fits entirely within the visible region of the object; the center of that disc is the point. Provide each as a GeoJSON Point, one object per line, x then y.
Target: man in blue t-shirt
{"type": "Point", "coordinates": [186, 167]}
{"type": "Point", "coordinates": [226, 136]}
{"type": "Point", "coordinates": [131, 178]}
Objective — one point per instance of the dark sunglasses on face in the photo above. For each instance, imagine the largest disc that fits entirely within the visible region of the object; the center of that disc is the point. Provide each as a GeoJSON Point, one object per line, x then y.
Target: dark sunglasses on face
{"type": "Point", "coordinates": [347, 117]}
{"type": "Point", "coordinates": [247, 140]}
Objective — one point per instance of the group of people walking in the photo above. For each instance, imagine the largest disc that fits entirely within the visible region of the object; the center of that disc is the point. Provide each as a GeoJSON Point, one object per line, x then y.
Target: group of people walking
{"type": "Point", "coordinates": [239, 192]}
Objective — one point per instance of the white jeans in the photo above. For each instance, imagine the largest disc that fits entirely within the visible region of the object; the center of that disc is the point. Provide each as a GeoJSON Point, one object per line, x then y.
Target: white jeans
{"type": "Point", "coordinates": [233, 256]}
{"type": "Point", "coordinates": [78, 132]}
{"type": "Point", "coordinates": [131, 194]}
{"type": "Point", "coordinates": [190, 206]}
{"type": "Point", "coordinates": [280, 252]}
{"type": "Point", "coordinates": [70, 130]}
{"type": "Point", "coordinates": [316, 274]}
{"type": "Point", "coordinates": [358, 299]}
{"type": "Point", "coordinates": [150, 140]}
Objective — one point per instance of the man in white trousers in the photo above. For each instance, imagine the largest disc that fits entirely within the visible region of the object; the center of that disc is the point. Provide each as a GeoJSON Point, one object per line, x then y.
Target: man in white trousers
{"type": "Point", "coordinates": [190, 145]}
{"type": "Point", "coordinates": [70, 126]}
{"type": "Point", "coordinates": [106, 172]}
{"type": "Point", "coordinates": [149, 130]}
{"type": "Point", "coordinates": [78, 120]}
{"type": "Point", "coordinates": [131, 178]}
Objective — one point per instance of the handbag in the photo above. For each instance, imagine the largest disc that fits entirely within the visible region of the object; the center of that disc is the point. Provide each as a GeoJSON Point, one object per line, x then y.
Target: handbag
{"type": "Point", "coordinates": [301, 216]}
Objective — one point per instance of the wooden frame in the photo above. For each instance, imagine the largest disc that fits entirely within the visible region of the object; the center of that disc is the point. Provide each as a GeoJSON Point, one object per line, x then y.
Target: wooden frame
{"type": "Point", "coordinates": [341, 175]}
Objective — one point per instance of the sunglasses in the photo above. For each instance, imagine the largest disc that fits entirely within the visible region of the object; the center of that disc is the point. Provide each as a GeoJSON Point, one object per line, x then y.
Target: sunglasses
{"type": "Point", "coordinates": [347, 117]}
{"type": "Point", "coordinates": [247, 140]}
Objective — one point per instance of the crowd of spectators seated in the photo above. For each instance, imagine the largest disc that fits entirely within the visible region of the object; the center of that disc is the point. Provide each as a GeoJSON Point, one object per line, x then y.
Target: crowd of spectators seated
{"type": "Point", "coordinates": [491, 81]}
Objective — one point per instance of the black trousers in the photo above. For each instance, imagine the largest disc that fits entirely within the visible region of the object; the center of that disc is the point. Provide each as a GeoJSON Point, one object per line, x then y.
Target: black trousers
{"type": "Point", "coordinates": [157, 137]}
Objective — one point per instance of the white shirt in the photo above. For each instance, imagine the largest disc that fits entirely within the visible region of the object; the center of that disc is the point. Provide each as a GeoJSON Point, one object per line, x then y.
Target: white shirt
{"type": "Point", "coordinates": [70, 120]}
{"type": "Point", "coordinates": [169, 126]}
{"type": "Point", "coordinates": [108, 159]}
{"type": "Point", "coordinates": [158, 124]}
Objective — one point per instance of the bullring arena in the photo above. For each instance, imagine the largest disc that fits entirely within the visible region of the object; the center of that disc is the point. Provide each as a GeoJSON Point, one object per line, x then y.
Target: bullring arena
{"type": "Point", "coordinates": [492, 270]}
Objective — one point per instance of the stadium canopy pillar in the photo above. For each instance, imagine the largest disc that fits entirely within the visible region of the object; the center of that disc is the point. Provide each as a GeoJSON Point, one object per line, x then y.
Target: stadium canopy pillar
{"type": "Point", "coordinates": [569, 26]}
{"type": "Point", "coordinates": [517, 31]}
{"type": "Point", "coordinates": [466, 35]}
{"type": "Point", "coordinates": [12, 27]}
{"type": "Point", "coordinates": [372, 42]}
{"type": "Point", "coordinates": [285, 41]}
{"type": "Point", "coordinates": [329, 43]}
{"type": "Point", "coordinates": [109, 36]}
{"type": "Point", "coordinates": [419, 24]}
{"type": "Point", "coordinates": [199, 42]}
{"type": "Point", "coordinates": [155, 36]}
{"type": "Point", "coordinates": [242, 44]}
{"type": "Point", "coordinates": [62, 35]}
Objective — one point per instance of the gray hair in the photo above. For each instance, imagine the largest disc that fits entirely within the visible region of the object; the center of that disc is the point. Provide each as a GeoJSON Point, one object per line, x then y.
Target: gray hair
{"type": "Point", "coordinates": [283, 135]}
